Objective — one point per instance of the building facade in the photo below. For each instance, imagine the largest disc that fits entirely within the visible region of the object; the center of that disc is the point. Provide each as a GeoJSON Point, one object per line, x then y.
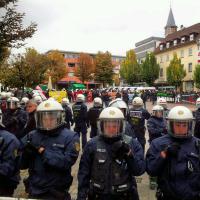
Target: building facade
{"type": "Point", "coordinates": [71, 61]}
{"type": "Point", "coordinates": [145, 46]}
{"type": "Point", "coordinates": [183, 42]}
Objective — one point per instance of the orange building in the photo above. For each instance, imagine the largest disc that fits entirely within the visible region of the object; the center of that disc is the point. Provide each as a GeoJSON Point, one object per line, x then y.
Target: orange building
{"type": "Point", "coordinates": [71, 60]}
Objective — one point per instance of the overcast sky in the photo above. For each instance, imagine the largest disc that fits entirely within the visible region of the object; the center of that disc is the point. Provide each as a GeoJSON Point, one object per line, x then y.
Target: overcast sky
{"type": "Point", "coordinates": [102, 25]}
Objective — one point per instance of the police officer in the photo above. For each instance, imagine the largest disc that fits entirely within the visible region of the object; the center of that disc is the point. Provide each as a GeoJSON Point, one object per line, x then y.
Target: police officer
{"type": "Point", "coordinates": [110, 161]}
{"type": "Point", "coordinates": [14, 117]}
{"type": "Point", "coordinates": [197, 119]}
{"type": "Point", "coordinates": [9, 161]}
{"type": "Point", "coordinates": [68, 113]}
{"type": "Point", "coordinates": [119, 103]}
{"type": "Point", "coordinates": [156, 124]}
{"type": "Point", "coordinates": [80, 117]}
{"type": "Point", "coordinates": [49, 153]}
{"type": "Point", "coordinates": [157, 127]}
{"type": "Point", "coordinates": [23, 102]}
{"type": "Point", "coordinates": [138, 115]}
{"type": "Point", "coordinates": [174, 158]}
{"type": "Point", "coordinates": [93, 115]}
{"type": "Point", "coordinates": [162, 102]}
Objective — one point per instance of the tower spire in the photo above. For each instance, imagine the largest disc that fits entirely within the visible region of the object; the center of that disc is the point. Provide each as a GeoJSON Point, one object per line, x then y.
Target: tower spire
{"type": "Point", "coordinates": [171, 25]}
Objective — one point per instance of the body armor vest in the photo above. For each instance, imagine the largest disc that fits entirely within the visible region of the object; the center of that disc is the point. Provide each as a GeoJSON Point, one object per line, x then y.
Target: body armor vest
{"type": "Point", "coordinates": [109, 175]}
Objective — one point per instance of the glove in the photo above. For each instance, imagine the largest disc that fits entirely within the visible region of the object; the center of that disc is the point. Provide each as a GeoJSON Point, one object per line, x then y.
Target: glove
{"type": "Point", "coordinates": [30, 149]}
{"type": "Point", "coordinates": [120, 149]}
{"type": "Point", "coordinates": [72, 123]}
{"type": "Point", "coordinates": [173, 149]}
{"type": "Point", "coordinates": [88, 125]}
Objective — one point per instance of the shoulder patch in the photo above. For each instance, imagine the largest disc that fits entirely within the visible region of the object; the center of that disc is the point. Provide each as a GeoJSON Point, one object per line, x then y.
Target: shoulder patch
{"type": "Point", "coordinates": [77, 146]}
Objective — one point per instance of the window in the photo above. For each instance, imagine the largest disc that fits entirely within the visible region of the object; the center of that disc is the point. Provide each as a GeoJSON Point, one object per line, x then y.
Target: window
{"type": "Point", "coordinates": [167, 57]}
{"type": "Point", "coordinates": [175, 42]}
{"type": "Point", "coordinates": [161, 72]}
{"type": "Point", "coordinates": [161, 47]}
{"type": "Point", "coordinates": [191, 37]}
{"type": "Point", "coordinates": [161, 59]}
{"type": "Point", "coordinates": [71, 74]}
{"type": "Point", "coordinates": [190, 51]}
{"type": "Point", "coordinates": [183, 40]}
{"type": "Point", "coordinates": [71, 64]}
{"type": "Point", "coordinates": [168, 45]}
{"type": "Point", "coordinates": [182, 53]}
{"type": "Point", "coordinates": [190, 67]}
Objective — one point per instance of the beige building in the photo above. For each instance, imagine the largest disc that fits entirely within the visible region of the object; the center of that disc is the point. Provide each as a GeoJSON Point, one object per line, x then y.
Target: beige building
{"type": "Point", "coordinates": [185, 43]}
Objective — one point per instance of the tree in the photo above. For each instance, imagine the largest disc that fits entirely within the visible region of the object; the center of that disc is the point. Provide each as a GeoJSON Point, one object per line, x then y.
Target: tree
{"type": "Point", "coordinates": [150, 69]}
{"type": "Point", "coordinates": [12, 33]}
{"type": "Point", "coordinates": [56, 66]}
{"type": "Point", "coordinates": [25, 70]}
{"type": "Point", "coordinates": [175, 71]}
{"type": "Point", "coordinates": [197, 76]}
{"type": "Point", "coordinates": [130, 69]}
{"type": "Point", "coordinates": [85, 68]}
{"type": "Point", "coordinates": [103, 68]}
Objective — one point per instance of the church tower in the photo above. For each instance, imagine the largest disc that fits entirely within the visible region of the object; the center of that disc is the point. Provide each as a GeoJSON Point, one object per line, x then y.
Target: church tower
{"type": "Point", "coordinates": [171, 26]}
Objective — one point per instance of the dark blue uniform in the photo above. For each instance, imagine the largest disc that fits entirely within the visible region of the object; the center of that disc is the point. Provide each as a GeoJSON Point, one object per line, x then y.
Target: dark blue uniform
{"type": "Point", "coordinates": [137, 121]}
{"type": "Point", "coordinates": [50, 172]}
{"type": "Point", "coordinates": [93, 115]}
{"type": "Point", "coordinates": [157, 127]}
{"type": "Point", "coordinates": [104, 176]}
{"type": "Point", "coordinates": [80, 119]}
{"type": "Point", "coordinates": [9, 163]}
{"type": "Point", "coordinates": [68, 116]}
{"type": "Point", "coordinates": [178, 174]}
{"type": "Point", "coordinates": [15, 121]}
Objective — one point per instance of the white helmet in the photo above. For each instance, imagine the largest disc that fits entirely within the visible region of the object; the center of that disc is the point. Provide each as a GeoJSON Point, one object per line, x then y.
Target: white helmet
{"type": "Point", "coordinates": [80, 98]}
{"type": "Point", "coordinates": [3, 95]}
{"type": "Point", "coordinates": [198, 102]}
{"type": "Point", "coordinates": [98, 102]}
{"type": "Point", "coordinates": [12, 103]}
{"type": "Point", "coordinates": [24, 100]}
{"type": "Point", "coordinates": [65, 101]}
{"type": "Point", "coordinates": [162, 102]}
{"type": "Point", "coordinates": [111, 122]}
{"type": "Point", "coordinates": [9, 94]}
{"type": "Point", "coordinates": [119, 103]}
{"type": "Point", "coordinates": [137, 102]}
{"type": "Point", "coordinates": [38, 99]}
{"type": "Point", "coordinates": [180, 120]}
{"type": "Point", "coordinates": [49, 115]}
{"type": "Point", "coordinates": [157, 111]}
{"type": "Point", "coordinates": [51, 99]}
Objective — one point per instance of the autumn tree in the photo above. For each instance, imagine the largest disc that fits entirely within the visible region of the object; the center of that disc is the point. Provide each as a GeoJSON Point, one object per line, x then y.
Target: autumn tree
{"type": "Point", "coordinates": [197, 76]}
{"type": "Point", "coordinates": [103, 68]}
{"type": "Point", "coordinates": [85, 67]}
{"type": "Point", "coordinates": [12, 31]}
{"type": "Point", "coordinates": [150, 69]}
{"type": "Point", "coordinates": [56, 66]}
{"type": "Point", "coordinates": [175, 72]}
{"type": "Point", "coordinates": [130, 69]}
{"type": "Point", "coordinates": [26, 69]}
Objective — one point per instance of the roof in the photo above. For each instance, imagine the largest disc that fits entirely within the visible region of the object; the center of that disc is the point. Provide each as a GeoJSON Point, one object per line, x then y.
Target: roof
{"type": "Point", "coordinates": [178, 34]}
{"type": "Point", "coordinates": [91, 54]}
{"type": "Point", "coordinates": [170, 20]}
{"type": "Point", "coordinates": [148, 40]}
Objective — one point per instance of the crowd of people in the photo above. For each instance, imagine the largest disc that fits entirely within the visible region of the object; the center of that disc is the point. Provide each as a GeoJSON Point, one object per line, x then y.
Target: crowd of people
{"type": "Point", "coordinates": [44, 137]}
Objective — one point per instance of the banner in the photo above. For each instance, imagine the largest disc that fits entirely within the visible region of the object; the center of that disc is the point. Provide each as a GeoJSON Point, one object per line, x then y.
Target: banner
{"type": "Point", "coordinates": [58, 95]}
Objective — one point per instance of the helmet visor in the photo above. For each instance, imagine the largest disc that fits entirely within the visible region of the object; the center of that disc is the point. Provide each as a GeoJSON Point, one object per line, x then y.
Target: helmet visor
{"type": "Point", "coordinates": [158, 113]}
{"type": "Point", "coordinates": [181, 129]}
{"type": "Point", "coordinates": [49, 120]}
{"type": "Point", "coordinates": [111, 128]}
{"type": "Point", "coordinates": [12, 105]}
